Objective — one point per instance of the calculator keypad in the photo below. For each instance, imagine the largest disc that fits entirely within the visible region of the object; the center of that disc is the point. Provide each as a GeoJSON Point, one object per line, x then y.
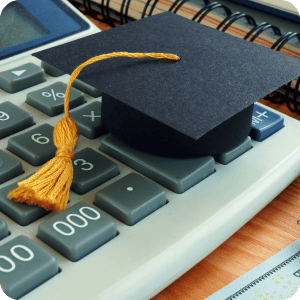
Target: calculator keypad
{"type": "Point", "coordinates": [21, 213]}
{"type": "Point", "coordinates": [88, 120]}
{"type": "Point", "coordinates": [50, 100]}
{"type": "Point", "coordinates": [24, 265]}
{"type": "Point", "coordinates": [3, 230]}
{"type": "Point", "coordinates": [35, 146]}
{"type": "Point", "coordinates": [131, 198]}
{"type": "Point", "coordinates": [91, 169]}
{"type": "Point", "coordinates": [10, 167]}
{"type": "Point", "coordinates": [21, 78]}
{"type": "Point", "coordinates": [77, 231]}
{"type": "Point", "coordinates": [13, 119]}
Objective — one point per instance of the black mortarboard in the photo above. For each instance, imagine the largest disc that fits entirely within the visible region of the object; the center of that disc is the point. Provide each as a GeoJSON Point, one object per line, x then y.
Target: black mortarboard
{"type": "Point", "coordinates": [200, 105]}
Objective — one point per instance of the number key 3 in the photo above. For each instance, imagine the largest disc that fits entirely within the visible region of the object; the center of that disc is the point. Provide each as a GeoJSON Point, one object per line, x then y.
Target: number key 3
{"type": "Point", "coordinates": [90, 170]}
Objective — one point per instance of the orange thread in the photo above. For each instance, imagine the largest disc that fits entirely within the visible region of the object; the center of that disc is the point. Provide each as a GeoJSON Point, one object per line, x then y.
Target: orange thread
{"type": "Point", "coordinates": [50, 186]}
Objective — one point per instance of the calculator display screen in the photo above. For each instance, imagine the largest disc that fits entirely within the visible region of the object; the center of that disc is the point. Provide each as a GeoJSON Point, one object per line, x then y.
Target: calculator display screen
{"type": "Point", "coordinates": [18, 25]}
{"type": "Point", "coordinates": [29, 24]}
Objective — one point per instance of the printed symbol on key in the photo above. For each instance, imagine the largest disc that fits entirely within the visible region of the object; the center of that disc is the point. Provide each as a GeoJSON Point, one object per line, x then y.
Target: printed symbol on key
{"type": "Point", "coordinates": [92, 116]}
{"type": "Point", "coordinates": [3, 116]}
{"type": "Point", "coordinates": [18, 73]}
{"type": "Point", "coordinates": [53, 95]}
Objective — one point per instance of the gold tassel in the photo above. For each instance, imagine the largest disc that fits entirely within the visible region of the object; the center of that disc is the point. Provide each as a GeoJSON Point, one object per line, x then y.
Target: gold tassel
{"type": "Point", "coordinates": [50, 186]}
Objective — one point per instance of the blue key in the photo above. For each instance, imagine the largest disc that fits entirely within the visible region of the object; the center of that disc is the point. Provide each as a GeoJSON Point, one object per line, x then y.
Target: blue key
{"type": "Point", "coordinates": [264, 123]}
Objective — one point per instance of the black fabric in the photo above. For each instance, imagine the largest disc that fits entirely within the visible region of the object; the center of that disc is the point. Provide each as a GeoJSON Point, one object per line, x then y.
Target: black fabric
{"type": "Point", "coordinates": [148, 135]}
{"type": "Point", "coordinates": [217, 77]}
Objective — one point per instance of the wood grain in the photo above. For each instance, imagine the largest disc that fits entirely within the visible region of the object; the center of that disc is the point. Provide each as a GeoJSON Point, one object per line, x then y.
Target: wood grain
{"type": "Point", "coordinates": [271, 230]}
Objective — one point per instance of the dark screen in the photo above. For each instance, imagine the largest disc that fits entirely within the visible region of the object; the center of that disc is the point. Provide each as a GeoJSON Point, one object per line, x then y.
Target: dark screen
{"type": "Point", "coordinates": [18, 25]}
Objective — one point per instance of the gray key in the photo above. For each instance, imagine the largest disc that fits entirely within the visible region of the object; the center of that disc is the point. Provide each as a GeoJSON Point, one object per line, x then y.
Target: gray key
{"type": "Point", "coordinates": [86, 88]}
{"type": "Point", "coordinates": [227, 157]}
{"type": "Point", "coordinates": [131, 198]}
{"type": "Point", "coordinates": [34, 146]}
{"type": "Point", "coordinates": [88, 120]}
{"type": "Point", "coordinates": [91, 169]}
{"type": "Point", "coordinates": [21, 213]}
{"type": "Point", "coordinates": [178, 175]}
{"type": "Point", "coordinates": [50, 100]}
{"type": "Point", "coordinates": [10, 167]}
{"type": "Point", "coordinates": [21, 78]}
{"type": "Point", "coordinates": [3, 230]}
{"type": "Point", "coordinates": [77, 231]}
{"type": "Point", "coordinates": [50, 70]}
{"type": "Point", "coordinates": [13, 119]}
{"type": "Point", "coordinates": [24, 265]}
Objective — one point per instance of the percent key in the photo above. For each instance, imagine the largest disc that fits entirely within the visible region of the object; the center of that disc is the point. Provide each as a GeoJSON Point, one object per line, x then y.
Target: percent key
{"type": "Point", "coordinates": [50, 100]}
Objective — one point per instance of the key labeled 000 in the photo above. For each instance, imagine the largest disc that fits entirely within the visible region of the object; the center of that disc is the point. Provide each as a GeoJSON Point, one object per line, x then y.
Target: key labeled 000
{"type": "Point", "coordinates": [77, 231]}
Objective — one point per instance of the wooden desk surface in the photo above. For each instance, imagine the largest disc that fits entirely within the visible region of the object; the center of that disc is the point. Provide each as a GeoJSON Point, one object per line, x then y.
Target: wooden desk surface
{"type": "Point", "coordinates": [274, 228]}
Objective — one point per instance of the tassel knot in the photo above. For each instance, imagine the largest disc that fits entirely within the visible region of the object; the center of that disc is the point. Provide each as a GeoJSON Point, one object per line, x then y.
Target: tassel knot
{"type": "Point", "coordinates": [64, 152]}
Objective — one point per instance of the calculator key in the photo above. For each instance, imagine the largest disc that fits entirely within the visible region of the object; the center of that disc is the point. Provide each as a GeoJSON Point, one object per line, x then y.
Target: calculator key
{"type": "Point", "coordinates": [86, 88]}
{"type": "Point", "coordinates": [21, 78]}
{"type": "Point", "coordinates": [21, 213]}
{"type": "Point", "coordinates": [131, 198]}
{"type": "Point", "coordinates": [10, 167]}
{"type": "Point", "coordinates": [178, 175]}
{"type": "Point", "coordinates": [91, 169]}
{"type": "Point", "coordinates": [13, 119]}
{"type": "Point", "coordinates": [88, 120]}
{"type": "Point", "coordinates": [77, 231]}
{"type": "Point", "coordinates": [35, 146]}
{"type": "Point", "coordinates": [50, 100]}
{"type": "Point", "coordinates": [24, 265]}
{"type": "Point", "coordinates": [50, 70]}
{"type": "Point", "coordinates": [264, 123]}
{"type": "Point", "coordinates": [3, 230]}
{"type": "Point", "coordinates": [227, 157]}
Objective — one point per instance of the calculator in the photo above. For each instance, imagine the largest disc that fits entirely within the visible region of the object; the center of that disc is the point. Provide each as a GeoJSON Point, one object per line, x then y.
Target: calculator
{"type": "Point", "coordinates": [134, 222]}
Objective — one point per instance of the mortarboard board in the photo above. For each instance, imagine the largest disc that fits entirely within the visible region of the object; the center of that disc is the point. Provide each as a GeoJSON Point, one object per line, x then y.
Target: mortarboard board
{"type": "Point", "coordinates": [200, 105]}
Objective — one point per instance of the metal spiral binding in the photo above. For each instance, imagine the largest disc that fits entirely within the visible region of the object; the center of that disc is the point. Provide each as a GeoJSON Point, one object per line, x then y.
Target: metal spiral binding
{"type": "Point", "coordinates": [208, 8]}
{"type": "Point", "coordinates": [291, 94]}
{"type": "Point", "coordinates": [233, 18]}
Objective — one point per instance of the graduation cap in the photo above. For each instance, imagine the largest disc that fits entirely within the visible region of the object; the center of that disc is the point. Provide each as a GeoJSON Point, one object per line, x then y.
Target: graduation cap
{"type": "Point", "coordinates": [199, 105]}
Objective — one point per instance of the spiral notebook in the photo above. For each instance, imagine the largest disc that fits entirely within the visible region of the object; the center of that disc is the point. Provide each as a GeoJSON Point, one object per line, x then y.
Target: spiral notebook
{"type": "Point", "coordinates": [215, 15]}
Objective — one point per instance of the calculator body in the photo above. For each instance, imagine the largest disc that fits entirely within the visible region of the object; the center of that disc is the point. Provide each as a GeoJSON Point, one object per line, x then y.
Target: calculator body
{"type": "Point", "coordinates": [143, 259]}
